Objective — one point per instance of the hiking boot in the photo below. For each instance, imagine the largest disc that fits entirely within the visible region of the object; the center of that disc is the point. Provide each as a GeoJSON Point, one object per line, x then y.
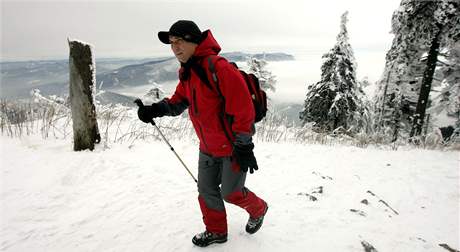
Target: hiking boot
{"type": "Point", "coordinates": [206, 238]}
{"type": "Point", "coordinates": [254, 224]}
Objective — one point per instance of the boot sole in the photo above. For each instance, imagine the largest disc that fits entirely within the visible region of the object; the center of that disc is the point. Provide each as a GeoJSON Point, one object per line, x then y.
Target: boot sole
{"type": "Point", "coordinates": [212, 242]}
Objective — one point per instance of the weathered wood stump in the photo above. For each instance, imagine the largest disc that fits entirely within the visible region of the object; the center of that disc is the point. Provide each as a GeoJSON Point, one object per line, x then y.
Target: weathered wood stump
{"type": "Point", "coordinates": [81, 92]}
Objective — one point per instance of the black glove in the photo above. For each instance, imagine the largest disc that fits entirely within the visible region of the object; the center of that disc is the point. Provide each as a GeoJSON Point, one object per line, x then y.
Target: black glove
{"type": "Point", "coordinates": [147, 113]}
{"type": "Point", "coordinates": [245, 157]}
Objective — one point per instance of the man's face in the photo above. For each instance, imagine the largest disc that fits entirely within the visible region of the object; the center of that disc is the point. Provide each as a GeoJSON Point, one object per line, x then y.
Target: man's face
{"type": "Point", "coordinates": [182, 49]}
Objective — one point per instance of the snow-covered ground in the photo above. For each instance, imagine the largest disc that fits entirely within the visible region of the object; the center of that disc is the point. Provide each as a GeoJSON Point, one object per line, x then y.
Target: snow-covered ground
{"type": "Point", "coordinates": [139, 198]}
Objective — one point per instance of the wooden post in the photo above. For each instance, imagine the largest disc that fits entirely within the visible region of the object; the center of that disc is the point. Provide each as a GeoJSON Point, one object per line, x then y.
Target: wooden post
{"type": "Point", "coordinates": [81, 88]}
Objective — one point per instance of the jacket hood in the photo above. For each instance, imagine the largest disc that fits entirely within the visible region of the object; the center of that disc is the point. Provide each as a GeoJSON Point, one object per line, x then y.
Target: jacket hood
{"type": "Point", "coordinates": [208, 46]}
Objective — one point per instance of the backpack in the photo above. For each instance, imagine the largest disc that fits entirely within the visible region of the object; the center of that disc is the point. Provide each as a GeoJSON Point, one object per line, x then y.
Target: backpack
{"type": "Point", "coordinates": [259, 97]}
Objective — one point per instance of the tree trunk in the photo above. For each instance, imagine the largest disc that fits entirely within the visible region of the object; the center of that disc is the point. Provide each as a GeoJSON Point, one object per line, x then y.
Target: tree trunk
{"type": "Point", "coordinates": [82, 85]}
{"type": "Point", "coordinates": [426, 85]}
{"type": "Point", "coordinates": [381, 124]}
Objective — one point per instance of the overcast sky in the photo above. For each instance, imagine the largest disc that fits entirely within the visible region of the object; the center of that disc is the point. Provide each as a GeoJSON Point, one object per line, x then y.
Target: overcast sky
{"type": "Point", "coordinates": [39, 29]}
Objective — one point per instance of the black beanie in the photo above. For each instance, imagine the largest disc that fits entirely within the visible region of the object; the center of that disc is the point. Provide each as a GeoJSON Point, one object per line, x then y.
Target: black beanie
{"type": "Point", "coordinates": [184, 29]}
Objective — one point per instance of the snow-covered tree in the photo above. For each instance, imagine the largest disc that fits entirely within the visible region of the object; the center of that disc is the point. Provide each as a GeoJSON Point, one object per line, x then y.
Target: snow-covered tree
{"type": "Point", "coordinates": [364, 83]}
{"type": "Point", "coordinates": [440, 21]}
{"type": "Point", "coordinates": [334, 101]}
{"type": "Point", "coordinates": [421, 29]}
{"type": "Point", "coordinates": [365, 117]}
{"type": "Point", "coordinates": [156, 93]}
{"type": "Point", "coordinates": [447, 102]}
{"type": "Point", "coordinates": [266, 79]}
{"type": "Point", "coordinates": [397, 90]}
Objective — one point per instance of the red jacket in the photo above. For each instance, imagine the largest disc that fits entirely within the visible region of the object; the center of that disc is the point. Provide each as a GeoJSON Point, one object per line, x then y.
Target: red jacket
{"type": "Point", "coordinates": [205, 105]}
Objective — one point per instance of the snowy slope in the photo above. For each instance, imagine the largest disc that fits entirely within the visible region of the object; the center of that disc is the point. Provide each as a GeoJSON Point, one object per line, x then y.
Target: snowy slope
{"type": "Point", "coordinates": [139, 198]}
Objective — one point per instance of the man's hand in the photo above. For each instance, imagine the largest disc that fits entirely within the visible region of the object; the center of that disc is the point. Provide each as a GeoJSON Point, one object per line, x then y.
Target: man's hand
{"type": "Point", "coordinates": [244, 156]}
{"type": "Point", "coordinates": [147, 113]}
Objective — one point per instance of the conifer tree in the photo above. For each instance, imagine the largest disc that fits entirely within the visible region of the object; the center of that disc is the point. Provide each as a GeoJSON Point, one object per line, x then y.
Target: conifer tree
{"type": "Point", "coordinates": [440, 20]}
{"type": "Point", "coordinates": [334, 102]}
{"type": "Point", "coordinates": [420, 28]}
{"type": "Point", "coordinates": [448, 100]}
{"type": "Point", "coordinates": [257, 67]}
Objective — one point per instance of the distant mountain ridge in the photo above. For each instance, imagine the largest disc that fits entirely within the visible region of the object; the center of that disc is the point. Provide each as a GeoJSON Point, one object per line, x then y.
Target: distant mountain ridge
{"type": "Point", "coordinates": [107, 97]}
{"type": "Point", "coordinates": [240, 56]}
{"type": "Point", "coordinates": [164, 70]}
{"type": "Point", "coordinates": [140, 74]}
{"type": "Point", "coordinates": [51, 76]}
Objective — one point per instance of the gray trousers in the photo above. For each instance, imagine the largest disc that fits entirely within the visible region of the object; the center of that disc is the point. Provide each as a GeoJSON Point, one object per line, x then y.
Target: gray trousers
{"type": "Point", "coordinates": [220, 179]}
{"type": "Point", "coordinates": [214, 172]}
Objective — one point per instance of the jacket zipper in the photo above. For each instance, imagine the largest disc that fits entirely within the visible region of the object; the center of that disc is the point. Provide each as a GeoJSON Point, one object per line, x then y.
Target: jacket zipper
{"type": "Point", "coordinates": [202, 137]}
{"type": "Point", "coordinates": [195, 107]}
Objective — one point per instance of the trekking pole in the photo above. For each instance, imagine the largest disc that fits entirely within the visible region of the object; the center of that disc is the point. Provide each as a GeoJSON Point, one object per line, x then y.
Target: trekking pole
{"type": "Point", "coordinates": [140, 104]}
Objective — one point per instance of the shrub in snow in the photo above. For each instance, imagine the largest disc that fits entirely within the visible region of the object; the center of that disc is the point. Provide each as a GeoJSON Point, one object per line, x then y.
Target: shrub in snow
{"type": "Point", "coordinates": [155, 94]}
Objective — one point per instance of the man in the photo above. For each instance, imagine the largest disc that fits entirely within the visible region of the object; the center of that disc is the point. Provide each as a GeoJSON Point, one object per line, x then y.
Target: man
{"type": "Point", "coordinates": [222, 114]}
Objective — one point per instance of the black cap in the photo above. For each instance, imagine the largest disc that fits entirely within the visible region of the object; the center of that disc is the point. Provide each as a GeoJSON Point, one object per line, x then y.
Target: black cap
{"type": "Point", "coordinates": [184, 29]}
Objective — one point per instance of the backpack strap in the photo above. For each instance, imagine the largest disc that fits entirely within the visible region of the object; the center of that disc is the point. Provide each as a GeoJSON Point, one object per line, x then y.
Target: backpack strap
{"type": "Point", "coordinates": [212, 69]}
{"type": "Point", "coordinates": [202, 74]}
{"type": "Point", "coordinates": [222, 116]}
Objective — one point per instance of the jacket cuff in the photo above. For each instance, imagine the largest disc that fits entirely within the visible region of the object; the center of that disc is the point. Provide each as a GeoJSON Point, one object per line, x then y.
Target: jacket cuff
{"type": "Point", "coordinates": [243, 139]}
{"type": "Point", "coordinates": [161, 108]}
